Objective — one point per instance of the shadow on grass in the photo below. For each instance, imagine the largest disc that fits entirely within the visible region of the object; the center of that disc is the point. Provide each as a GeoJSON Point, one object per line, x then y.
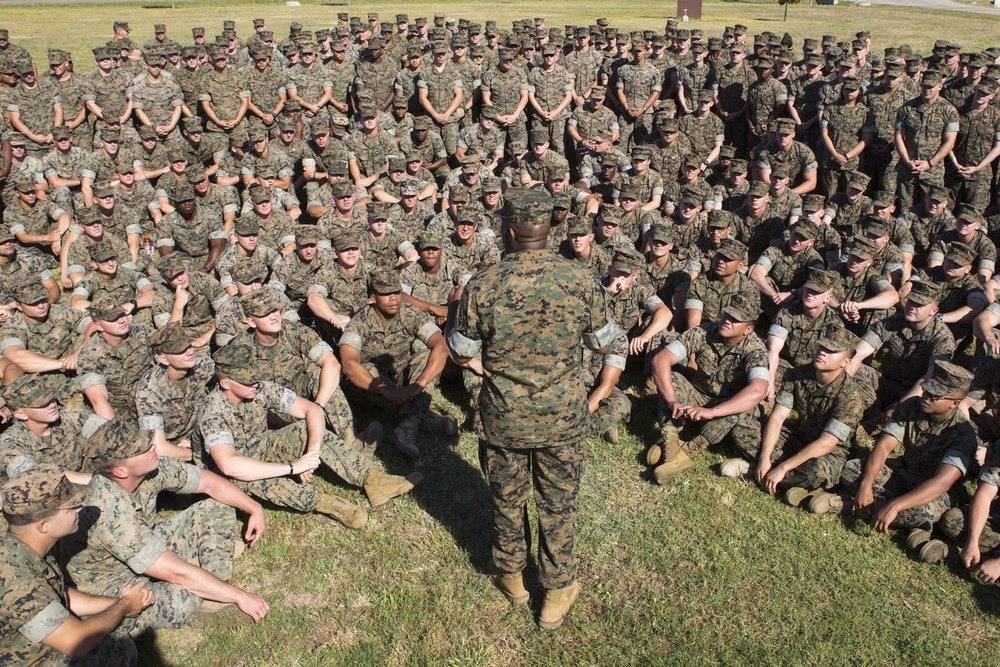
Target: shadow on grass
{"type": "Point", "coordinates": [149, 652]}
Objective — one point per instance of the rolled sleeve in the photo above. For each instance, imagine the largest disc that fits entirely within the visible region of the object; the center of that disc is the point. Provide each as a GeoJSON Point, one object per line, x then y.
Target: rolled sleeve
{"type": "Point", "coordinates": [838, 429]}
{"type": "Point", "coordinates": [462, 346]}
{"type": "Point", "coordinates": [148, 555]}
{"type": "Point", "coordinates": [45, 622]}
{"type": "Point", "coordinates": [894, 429]}
{"type": "Point", "coordinates": [219, 438]}
{"type": "Point", "coordinates": [351, 339]}
{"type": "Point", "coordinates": [318, 350]}
{"type": "Point", "coordinates": [427, 331]}
{"type": "Point", "coordinates": [778, 332]}
{"type": "Point", "coordinates": [678, 350]}
{"type": "Point", "coordinates": [603, 336]}
{"type": "Point", "coordinates": [957, 459]}
{"type": "Point", "coordinates": [89, 380]}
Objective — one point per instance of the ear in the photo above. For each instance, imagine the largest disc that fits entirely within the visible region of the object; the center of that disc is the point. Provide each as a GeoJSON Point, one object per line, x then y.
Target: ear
{"type": "Point", "coordinates": [120, 472]}
{"type": "Point", "coordinates": [250, 322]}
{"type": "Point", "coordinates": [224, 383]}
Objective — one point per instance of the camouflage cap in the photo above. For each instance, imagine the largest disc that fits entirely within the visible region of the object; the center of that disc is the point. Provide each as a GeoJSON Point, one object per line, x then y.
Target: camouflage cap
{"type": "Point", "coordinates": [732, 250]}
{"type": "Point", "coordinates": [806, 230]}
{"type": "Point", "coordinates": [968, 213]}
{"type": "Point", "coordinates": [783, 126]}
{"type": "Point", "coordinates": [409, 187]}
{"type": "Point", "coordinates": [947, 379]}
{"type": "Point", "coordinates": [820, 280]}
{"type": "Point", "coordinates": [875, 226]}
{"type": "Point", "coordinates": [260, 302]}
{"type": "Point", "coordinates": [307, 235]}
{"type": "Point", "coordinates": [629, 191]}
{"type": "Point", "coordinates": [247, 225]}
{"type": "Point", "coordinates": [884, 199]}
{"type": "Point", "coordinates": [102, 251]}
{"type": "Point", "coordinates": [492, 184]}
{"type": "Point", "coordinates": [741, 309]}
{"type": "Point", "coordinates": [104, 189]}
{"type": "Point", "coordinates": [579, 225]}
{"type": "Point", "coordinates": [758, 189]}
{"type": "Point", "coordinates": [18, 139]}
{"type": "Point", "coordinates": [379, 210]}
{"type": "Point", "coordinates": [837, 339]}
{"type": "Point", "coordinates": [5, 235]}
{"type": "Point", "coordinates": [421, 123]}
{"type": "Point", "coordinates": [146, 132]}
{"type": "Point", "coordinates": [562, 200]}
{"type": "Point", "coordinates": [626, 260]}
{"type": "Point", "coordinates": [931, 77]}
{"type": "Point", "coordinates": [429, 239]}
{"type": "Point", "coordinates": [170, 266]}
{"type": "Point", "coordinates": [195, 173]}
{"type": "Point", "coordinates": [342, 189]}
{"type": "Point", "coordinates": [961, 254]}
{"type": "Point", "coordinates": [171, 339]}
{"type": "Point", "coordinates": [60, 132]}
{"type": "Point", "coordinates": [115, 440]}
{"type": "Point", "coordinates": [719, 219]}
{"type": "Point", "coordinates": [347, 240]}
{"type": "Point", "coordinates": [524, 206]}
{"type": "Point", "coordinates": [858, 180]}
{"type": "Point", "coordinates": [863, 248]}
{"type": "Point", "coordinates": [259, 195]}
{"type": "Point", "coordinates": [812, 203]}
{"type": "Point", "coordinates": [384, 282]}
{"type": "Point", "coordinates": [247, 273]}
{"type": "Point", "coordinates": [25, 185]}
{"type": "Point", "coordinates": [739, 167]}
{"type": "Point", "coordinates": [43, 487]}
{"type": "Point", "coordinates": [29, 391]}
{"type": "Point", "coordinates": [661, 233]}
{"type": "Point", "coordinates": [29, 291]}
{"type": "Point", "coordinates": [987, 86]}
{"type": "Point", "coordinates": [938, 193]}
{"type": "Point", "coordinates": [106, 309]}
{"type": "Point", "coordinates": [198, 31]}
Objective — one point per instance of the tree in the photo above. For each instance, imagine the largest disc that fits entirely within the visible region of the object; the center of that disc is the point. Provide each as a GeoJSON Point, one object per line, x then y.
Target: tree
{"type": "Point", "coordinates": [786, 3]}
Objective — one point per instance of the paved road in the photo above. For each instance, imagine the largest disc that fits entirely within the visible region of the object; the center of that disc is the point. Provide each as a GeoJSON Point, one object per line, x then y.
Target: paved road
{"type": "Point", "coordinates": [949, 5]}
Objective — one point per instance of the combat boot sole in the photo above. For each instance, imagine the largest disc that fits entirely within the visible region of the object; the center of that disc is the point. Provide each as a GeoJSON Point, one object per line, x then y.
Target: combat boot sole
{"type": "Point", "coordinates": [734, 468]}
{"type": "Point", "coordinates": [557, 605]}
{"type": "Point", "coordinates": [218, 615]}
{"type": "Point", "coordinates": [825, 503]}
{"type": "Point", "coordinates": [797, 495]}
{"type": "Point", "coordinates": [934, 551]}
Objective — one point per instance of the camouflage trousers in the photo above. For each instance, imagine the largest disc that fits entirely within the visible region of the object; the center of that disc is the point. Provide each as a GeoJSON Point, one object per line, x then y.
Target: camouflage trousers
{"type": "Point", "coordinates": [553, 474]}
{"type": "Point", "coordinates": [203, 534]}
{"type": "Point", "coordinates": [882, 169]}
{"type": "Point", "coordinates": [288, 444]}
{"type": "Point", "coordinates": [819, 473]}
{"type": "Point", "coordinates": [877, 390]}
{"type": "Point", "coordinates": [891, 483]}
{"type": "Point", "coordinates": [613, 410]}
{"type": "Point", "coordinates": [516, 132]}
{"type": "Point", "coordinates": [449, 135]}
{"type": "Point", "coordinates": [63, 197]}
{"type": "Point", "coordinates": [116, 650]}
{"type": "Point", "coordinates": [635, 131]}
{"type": "Point", "coordinates": [744, 427]}
{"type": "Point", "coordinates": [339, 418]}
{"type": "Point", "coordinates": [420, 405]}
{"type": "Point", "coordinates": [911, 188]}
{"type": "Point", "coordinates": [972, 191]}
{"type": "Point", "coordinates": [953, 522]}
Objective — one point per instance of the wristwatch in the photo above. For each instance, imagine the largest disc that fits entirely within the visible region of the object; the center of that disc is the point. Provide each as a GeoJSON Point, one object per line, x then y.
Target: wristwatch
{"type": "Point", "coordinates": [135, 305]}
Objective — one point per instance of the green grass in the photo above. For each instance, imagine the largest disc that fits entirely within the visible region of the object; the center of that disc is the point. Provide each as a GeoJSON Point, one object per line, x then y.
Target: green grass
{"type": "Point", "coordinates": [702, 571]}
{"type": "Point", "coordinates": [705, 570]}
{"type": "Point", "coordinates": [79, 27]}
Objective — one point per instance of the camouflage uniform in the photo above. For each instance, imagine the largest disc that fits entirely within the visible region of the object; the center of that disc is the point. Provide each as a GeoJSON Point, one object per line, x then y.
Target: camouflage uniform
{"type": "Point", "coordinates": [78, 255]}
{"type": "Point", "coordinates": [722, 372]}
{"type": "Point", "coordinates": [206, 296]}
{"type": "Point", "coordinates": [505, 90]}
{"type": "Point", "coordinates": [274, 232]}
{"type": "Point", "coordinates": [117, 367]}
{"type": "Point", "coordinates": [174, 407]}
{"type": "Point", "coordinates": [120, 538]}
{"type": "Point", "coordinates": [441, 88]}
{"type": "Point", "coordinates": [231, 319]}
{"type": "Point", "coordinates": [35, 107]}
{"type": "Point", "coordinates": [923, 126]}
{"type": "Point", "coordinates": [34, 603]}
{"type": "Point", "coordinates": [953, 522]}
{"type": "Point", "coordinates": [265, 258]}
{"type": "Point", "coordinates": [637, 83]}
{"type": "Point", "coordinates": [37, 220]}
{"type": "Point", "coordinates": [474, 256]}
{"type": "Point", "coordinates": [985, 251]}
{"type": "Point", "coordinates": [710, 295]}
{"type": "Point", "coordinates": [24, 267]}
{"type": "Point", "coordinates": [883, 106]}
{"type": "Point", "coordinates": [244, 427]}
{"type": "Point", "coordinates": [157, 100]}
{"type": "Point", "coordinates": [904, 354]}
{"type": "Point", "coordinates": [731, 84]}
{"type": "Point", "coordinates": [189, 238]}
{"type": "Point", "coordinates": [21, 449]}
{"type": "Point", "coordinates": [64, 165]}
{"type": "Point", "coordinates": [294, 277]}
{"type": "Point", "coordinates": [541, 430]}
{"type": "Point", "coordinates": [757, 233]}
{"type": "Point", "coordinates": [977, 134]}
{"type": "Point", "coordinates": [225, 91]}
{"type": "Point", "coordinates": [550, 87]}
{"type": "Point", "coordinates": [798, 161]}
{"type": "Point", "coordinates": [844, 124]}
{"type": "Point", "coordinates": [433, 287]}
{"type": "Point", "coordinates": [371, 152]}
{"type": "Point", "coordinates": [835, 409]}
{"type": "Point", "coordinates": [927, 445]}
{"type": "Point", "coordinates": [702, 133]}
{"type": "Point", "coordinates": [801, 334]}
{"type": "Point", "coordinates": [925, 229]}
{"type": "Point", "coordinates": [345, 294]}
{"type": "Point", "coordinates": [861, 288]}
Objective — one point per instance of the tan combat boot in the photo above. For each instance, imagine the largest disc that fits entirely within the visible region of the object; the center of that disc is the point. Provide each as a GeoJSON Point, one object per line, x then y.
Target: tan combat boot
{"type": "Point", "coordinates": [381, 488]}
{"type": "Point", "coordinates": [349, 514]}
{"type": "Point", "coordinates": [797, 495]}
{"type": "Point", "coordinates": [510, 584]}
{"type": "Point", "coordinates": [557, 605]}
{"type": "Point", "coordinates": [405, 436]}
{"type": "Point", "coordinates": [219, 615]}
{"type": "Point", "coordinates": [934, 551]}
{"type": "Point", "coordinates": [610, 434]}
{"type": "Point", "coordinates": [440, 424]}
{"type": "Point", "coordinates": [734, 468]}
{"type": "Point", "coordinates": [671, 445]}
{"type": "Point", "coordinates": [826, 503]}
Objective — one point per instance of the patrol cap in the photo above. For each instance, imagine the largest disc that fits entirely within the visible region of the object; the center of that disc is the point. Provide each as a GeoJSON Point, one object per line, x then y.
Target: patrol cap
{"type": "Point", "coordinates": [852, 83]}
{"type": "Point", "coordinates": [538, 135]}
{"type": "Point", "coordinates": [259, 195]}
{"type": "Point", "coordinates": [894, 70]}
{"type": "Point", "coordinates": [184, 192]}
{"type": "Point", "coordinates": [961, 254]}
{"type": "Point", "coordinates": [29, 391]}
{"type": "Point", "coordinates": [837, 339]}
{"type": "Point", "coordinates": [307, 235]}
{"type": "Point", "coordinates": [758, 189]}
{"type": "Point", "coordinates": [437, 48]}
{"type": "Point", "coordinates": [626, 260]}
{"type": "Point", "coordinates": [492, 184]}
{"type": "Point", "coordinates": [562, 200]}
{"type": "Point", "coordinates": [719, 219]}
{"type": "Point", "coordinates": [171, 339]}
{"type": "Point", "coordinates": [784, 126]}
{"type": "Point", "coordinates": [102, 190]}
{"type": "Point", "coordinates": [727, 152]}
{"type": "Point", "coordinates": [938, 193]}
{"type": "Point", "coordinates": [884, 199]}
{"type": "Point", "coordinates": [60, 132]}
{"type": "Point", "coordinates": [740, 309]}
{"type": "Point", "coordinates": [195, 173]}
{"type": "Point", "coordinates": [429, 239]}
{"type": "Point", "coordinates": [247, 273]}
{"type": "Point", "coordinates": [115, 440]}
{"type": "Point", "coordinates": [987, 86]}
{"type": "Point", "coordinates": [820, 280]}
{"type": "Point", "coordinates": [384, 282]}
{"type": "Point", "coordinates": [863, 248]}
{"type": "Point", "coordinates": [24, 184]}
{"type": "Point", "coordinates": [43, 487]}
{"type": "Point", "coordinates": [421, 123]}
{"type": "Point", "coordinates": [29, 291]}
{"type": "Point", "coordinates": [968, 213]}
{"type": "Point", "coordinates": [524, 206]}
{"type": "Point", "coordinates": [197, 32]}
{"type": "Point", "coordinates": [342, 189]}
{"type": "Point", "coordinates": [732, 250]}
{"type": "Point", "coordinates": [931, 78]}
{"type": "Point", "coordinates": [550, 49]}
{"type": "Point", "coordinates": [57, 57]}
{"type": "Point", "coordinates": [947, 379]}
{"type": "Point", "coordinates": [668, 124]}
{"type": "Point", "coordinates": [367, 111]}
{"type": "Point", "coordinates": [409, 187]}
{"type": "Point", "coordinates": [102, 251]}
{"type": "Point", "coordinates": [260, 302]}
{"type": "Point", "coordinates": [170, 267]}
{"type": "Point", "coordinates": [145, 132]}
{"type": "Point", "coordinates": [609, 160]}
{"type": "Point", "coordinates": [469, 166]}
{"type": "Point", "coordinates": [875, 226]}
{"type": "Point", "coordinates": [764, 62]}
{"type": "Point", "coordinates": [858, 180]}
{"type": "Point", "coordinates": [152, 58]}
{"type": "Point", "coordinates": [806, 230]}
{"type": "Point", "coordinates": [379, 210]}
{"type": "Point", "coordinates": [812, 203]}
{"type": "Point", "coordinates": [106, 309]}
{"type": "Point", "coordinates": [629, 191]}
{"type": "Point", "coordinates": [5, 235]}
{"type": "Point", "coordinates": [579, 225]}
{"type": "Point", "coordinates": [347, 240]}
{"type": "Point", "coordinates": [247, 225]}
{"type": "Point", "coordinates": [661, 233]}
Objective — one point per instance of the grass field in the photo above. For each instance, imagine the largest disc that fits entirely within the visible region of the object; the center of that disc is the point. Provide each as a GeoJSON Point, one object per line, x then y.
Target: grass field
{"type": "Point", "coordinates": [703, 571]}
